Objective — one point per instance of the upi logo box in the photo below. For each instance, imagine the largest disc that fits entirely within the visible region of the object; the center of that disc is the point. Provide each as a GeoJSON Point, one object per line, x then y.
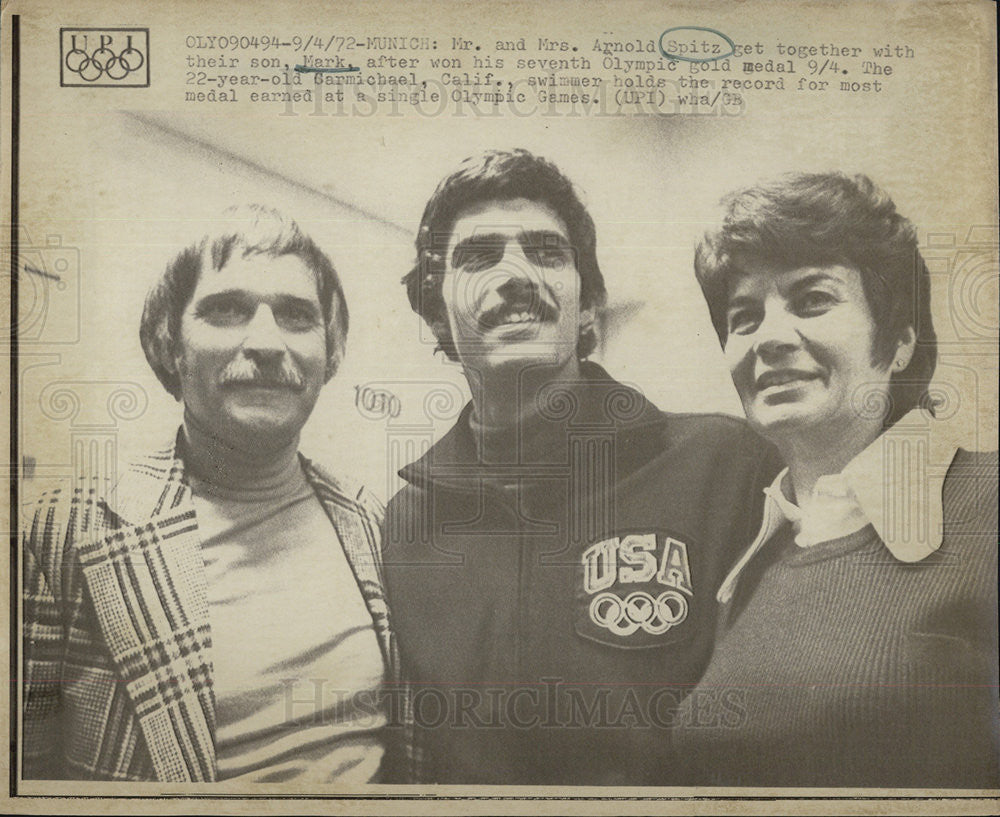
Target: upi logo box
{"type": "Point", "coordinates": [104, 57]}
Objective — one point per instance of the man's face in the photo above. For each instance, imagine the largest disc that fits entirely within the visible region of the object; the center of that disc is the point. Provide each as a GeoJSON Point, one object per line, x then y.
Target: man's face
{"type": "Point", "coordinates": [252, 355]}
{"type": "Point", "coordinates": [511, 287]}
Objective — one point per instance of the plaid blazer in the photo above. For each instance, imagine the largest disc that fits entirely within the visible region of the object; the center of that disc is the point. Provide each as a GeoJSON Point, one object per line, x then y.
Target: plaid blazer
{"type": "Point", "coordinates": [117, 640]}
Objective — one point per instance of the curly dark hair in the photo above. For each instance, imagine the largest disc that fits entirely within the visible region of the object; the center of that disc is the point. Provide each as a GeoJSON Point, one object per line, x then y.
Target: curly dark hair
{"type": "Point", "coordinates": [499, 175]}
{"type": "Point", "coordinates": [252, 230]}
{"type": "Point", "coordinates": [819, 219]}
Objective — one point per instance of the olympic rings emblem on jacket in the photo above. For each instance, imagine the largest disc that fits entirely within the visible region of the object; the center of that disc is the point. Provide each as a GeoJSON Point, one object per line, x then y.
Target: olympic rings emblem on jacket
{"type": "Point", "coordinates": [638, 610]}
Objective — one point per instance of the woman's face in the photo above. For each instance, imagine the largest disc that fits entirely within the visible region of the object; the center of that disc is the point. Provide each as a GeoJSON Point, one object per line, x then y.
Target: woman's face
{"type": "Point", "coordinates": [799, 347]}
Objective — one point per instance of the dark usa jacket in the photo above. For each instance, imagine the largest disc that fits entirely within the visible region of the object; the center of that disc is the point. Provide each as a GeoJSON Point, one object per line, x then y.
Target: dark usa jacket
{"type": "Point", "coordinates": [552, 611]}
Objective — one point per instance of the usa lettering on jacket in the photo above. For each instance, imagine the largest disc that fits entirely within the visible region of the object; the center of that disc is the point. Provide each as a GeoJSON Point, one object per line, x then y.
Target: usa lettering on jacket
{"type": "Point", "coordinates": [636, 586]}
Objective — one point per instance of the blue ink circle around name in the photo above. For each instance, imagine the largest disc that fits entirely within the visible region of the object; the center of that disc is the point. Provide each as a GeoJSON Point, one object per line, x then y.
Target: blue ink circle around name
{"type": "Point", "coordinates": [712, 58]}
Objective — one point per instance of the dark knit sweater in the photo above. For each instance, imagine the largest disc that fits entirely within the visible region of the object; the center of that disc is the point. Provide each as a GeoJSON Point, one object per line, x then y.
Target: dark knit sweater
{"type": "Point", "coordinates": [841, 666]}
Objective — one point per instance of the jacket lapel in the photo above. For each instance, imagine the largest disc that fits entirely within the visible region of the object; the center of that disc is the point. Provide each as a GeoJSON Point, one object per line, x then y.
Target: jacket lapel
{"type": "Point", "coordinates": [358, 531]}
{"type": "Point", "coordinates": [147, 582]}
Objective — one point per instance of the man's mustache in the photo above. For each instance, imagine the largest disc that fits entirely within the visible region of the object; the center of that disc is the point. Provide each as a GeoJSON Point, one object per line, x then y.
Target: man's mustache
{"type": "Point", "coordinates": [243, 371]}
{"type": "Point", "coordinates": [526, 297]}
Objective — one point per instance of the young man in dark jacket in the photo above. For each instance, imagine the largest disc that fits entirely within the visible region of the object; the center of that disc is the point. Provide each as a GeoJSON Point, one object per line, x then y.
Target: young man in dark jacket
{"type": "Point", "coordinates": [553, 561]}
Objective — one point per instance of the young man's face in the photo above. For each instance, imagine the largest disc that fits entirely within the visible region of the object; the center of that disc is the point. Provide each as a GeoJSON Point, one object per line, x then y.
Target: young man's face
{"type": "Point", "coordinates": [252, 356]}
{"type": "Point", "coordinates": [511, 288]}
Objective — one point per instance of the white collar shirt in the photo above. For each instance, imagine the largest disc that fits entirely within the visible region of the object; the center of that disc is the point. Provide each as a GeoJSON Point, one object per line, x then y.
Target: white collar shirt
{"type": "Point", "coordinates": [894, 485]}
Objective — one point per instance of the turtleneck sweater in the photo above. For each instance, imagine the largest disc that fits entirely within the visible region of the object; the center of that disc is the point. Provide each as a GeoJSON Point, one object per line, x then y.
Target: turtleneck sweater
{"type": "Point", "coordinates": [296, 664]}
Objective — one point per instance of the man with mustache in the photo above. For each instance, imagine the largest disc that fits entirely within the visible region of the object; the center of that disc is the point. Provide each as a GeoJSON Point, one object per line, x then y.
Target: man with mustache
{"type": "Point", "coordinates": [553, 560]}
{"type": "Point", "coordinates": [220, 616]}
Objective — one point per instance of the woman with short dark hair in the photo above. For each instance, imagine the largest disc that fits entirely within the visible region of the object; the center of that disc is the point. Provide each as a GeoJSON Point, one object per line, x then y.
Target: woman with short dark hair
{"type": "Point", "coordinates": [858, 644]}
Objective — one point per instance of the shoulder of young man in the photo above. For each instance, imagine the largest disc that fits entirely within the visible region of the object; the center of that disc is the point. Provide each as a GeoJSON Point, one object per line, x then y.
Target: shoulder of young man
{"type": "Point", "coordinates": [721, 438]}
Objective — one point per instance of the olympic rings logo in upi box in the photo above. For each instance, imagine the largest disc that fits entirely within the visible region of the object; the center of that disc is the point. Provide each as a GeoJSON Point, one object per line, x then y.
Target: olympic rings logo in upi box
{"type": "Point", "coordinates": [104, 57]}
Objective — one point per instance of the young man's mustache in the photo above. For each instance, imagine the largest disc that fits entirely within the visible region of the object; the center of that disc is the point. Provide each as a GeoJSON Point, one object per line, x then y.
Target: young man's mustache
{"type": "Point", "coordinates": [526, 298]}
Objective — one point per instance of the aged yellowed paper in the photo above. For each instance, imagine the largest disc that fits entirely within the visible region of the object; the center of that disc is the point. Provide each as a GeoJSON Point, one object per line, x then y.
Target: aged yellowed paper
{"type": "Point", "coordinates": [572, 430]}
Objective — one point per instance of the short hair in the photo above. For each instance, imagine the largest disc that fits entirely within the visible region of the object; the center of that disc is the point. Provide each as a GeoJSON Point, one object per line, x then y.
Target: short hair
{"type": "Point", "coordinates": [820, 219]}
{"type": "Point", "coordinates": [254, 230]}
{"type": "Point", "coordinates": [499, 175]}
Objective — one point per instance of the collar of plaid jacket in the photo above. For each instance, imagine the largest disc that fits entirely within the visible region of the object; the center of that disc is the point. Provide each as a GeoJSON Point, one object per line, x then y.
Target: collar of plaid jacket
{"type": "Point", "coordinates": [147, 582]}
